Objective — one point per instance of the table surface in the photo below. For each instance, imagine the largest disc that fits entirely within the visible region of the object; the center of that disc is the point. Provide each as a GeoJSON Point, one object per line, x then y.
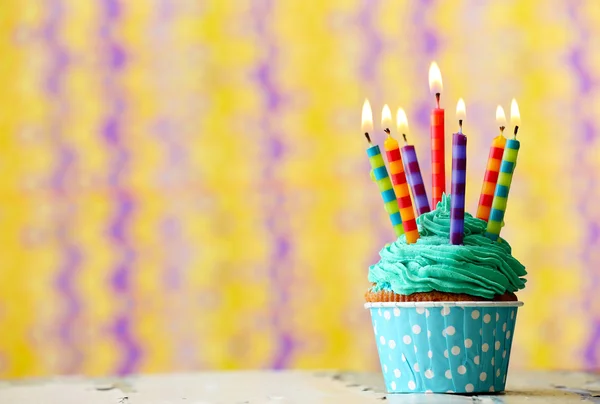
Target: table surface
{"type": "Point", "coordinates": [286, 387]}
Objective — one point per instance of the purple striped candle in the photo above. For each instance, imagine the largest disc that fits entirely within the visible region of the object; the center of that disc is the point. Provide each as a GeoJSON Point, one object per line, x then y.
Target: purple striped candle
{"type": "Point", "coordinates": [414, 179]}
{"type": "Point", "coordinates": [459, 180]}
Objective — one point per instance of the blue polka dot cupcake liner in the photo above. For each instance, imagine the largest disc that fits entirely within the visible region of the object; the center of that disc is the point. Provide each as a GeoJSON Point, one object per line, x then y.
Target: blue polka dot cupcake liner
{"type": "Point", "coordinates": [444, 347]}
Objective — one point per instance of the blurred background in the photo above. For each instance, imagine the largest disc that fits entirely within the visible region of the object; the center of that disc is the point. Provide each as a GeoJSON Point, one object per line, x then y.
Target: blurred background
{"type": "Point", "coordinates": [184, 184]}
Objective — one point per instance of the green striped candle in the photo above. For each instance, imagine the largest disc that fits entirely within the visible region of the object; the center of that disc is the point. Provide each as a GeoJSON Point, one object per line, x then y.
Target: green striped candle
{"type": "Point", "coordinates": [507, 168]}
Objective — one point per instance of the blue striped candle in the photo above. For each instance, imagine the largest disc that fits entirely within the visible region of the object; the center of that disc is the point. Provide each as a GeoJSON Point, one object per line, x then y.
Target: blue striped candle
{"type": "Point", "coordinates": [507, 168]}
{"type": "Point", "coordinates": [414, 179]}
{"type": "Point", "coordinates": [459, 180]}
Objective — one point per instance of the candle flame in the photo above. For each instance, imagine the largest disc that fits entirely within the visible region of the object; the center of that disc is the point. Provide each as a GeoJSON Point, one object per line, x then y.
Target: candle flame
{"type": "Point", "coordinates": [367, 117]}
{"type": "Point", "coordinates": [500, 116]}
{"type": "Point", "coordinates": [435, 78]}
{"type": "Point", "coordinates": [386, 117]}
{"type": "Point", "coordinates": [515, 116]}
{"type": "Point", "coordinates": [461, 110]}
{"type": "Point", "coordinates": [401, 121]}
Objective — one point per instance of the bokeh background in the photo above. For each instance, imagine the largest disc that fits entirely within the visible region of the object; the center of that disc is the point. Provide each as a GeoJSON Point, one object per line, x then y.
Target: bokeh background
{"type": "Point", "coordinates": [184, 185]}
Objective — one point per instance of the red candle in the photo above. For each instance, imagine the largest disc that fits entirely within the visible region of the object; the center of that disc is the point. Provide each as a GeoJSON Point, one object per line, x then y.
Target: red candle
{"type": "Point", "coordinates": [438, 162]}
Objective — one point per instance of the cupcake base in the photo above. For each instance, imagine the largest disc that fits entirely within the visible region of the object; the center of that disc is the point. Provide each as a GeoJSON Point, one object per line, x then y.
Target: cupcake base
{"type": "Point", "coordinates": [433, 296]}
{"type": "Point", "coordinates": [444, 347]}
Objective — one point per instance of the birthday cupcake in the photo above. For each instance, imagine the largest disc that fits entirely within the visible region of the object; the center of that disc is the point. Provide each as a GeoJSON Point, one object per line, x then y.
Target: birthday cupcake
{"type": "Point", "coordinates": [443, 314]}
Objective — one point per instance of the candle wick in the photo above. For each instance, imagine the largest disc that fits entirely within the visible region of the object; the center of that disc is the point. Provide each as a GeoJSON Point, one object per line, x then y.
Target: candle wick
{"type": "Point", "coordinates": [368, 137]}
{"type": "Point", "coordinates": [516, 130]}
{"type": "Point", "coordinates": [404, 136]}
{"type": "Point", "coordinates": [460, 126]}
{"type": "Point", "coordinates": [387, 130]}
{"type": "Point", "coordinates": [437, 100]}
{"type": "Point", "coordinates": [502, 129]}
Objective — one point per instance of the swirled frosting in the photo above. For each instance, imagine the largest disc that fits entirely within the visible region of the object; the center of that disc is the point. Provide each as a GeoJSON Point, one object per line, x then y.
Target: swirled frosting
{"type": "Point", "coordinates": [480, 267]}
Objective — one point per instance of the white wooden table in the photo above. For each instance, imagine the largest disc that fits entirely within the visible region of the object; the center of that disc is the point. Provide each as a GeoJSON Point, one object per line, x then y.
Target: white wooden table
{"type": "Point", "coordinates": [286, 387]}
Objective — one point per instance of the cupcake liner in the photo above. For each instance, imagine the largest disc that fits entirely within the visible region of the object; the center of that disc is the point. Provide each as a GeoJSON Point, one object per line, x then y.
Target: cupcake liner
{"type": "Point", "coordinates": [444, 347]}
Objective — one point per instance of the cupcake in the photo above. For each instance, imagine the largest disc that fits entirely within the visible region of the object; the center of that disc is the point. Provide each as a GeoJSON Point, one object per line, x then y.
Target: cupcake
{"type": "Point", "coordinates": [444, 315]}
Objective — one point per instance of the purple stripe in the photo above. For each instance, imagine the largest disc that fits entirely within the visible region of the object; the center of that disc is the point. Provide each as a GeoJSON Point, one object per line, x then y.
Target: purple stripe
{"type": "Point", "coordinates": [414, 179]}
{"type": "Point", "coordinates": [588, 174]}
{"type": "Point", "coordinates": [113, 134]}
{"type": "Point", "coordinates": [72, 357]}
{"type": "Point", "coordinates": [280, 256]}
{"type": "Point", "coordinates": [459, 179]}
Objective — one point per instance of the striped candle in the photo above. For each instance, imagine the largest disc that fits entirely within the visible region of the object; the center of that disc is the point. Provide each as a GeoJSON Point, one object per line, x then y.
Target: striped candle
{"type": "Point", "coordinates": [385, 187]}
{"type": "Point", "coordinates": [407, 213]}
{"type": "Point", "coordinates": [414, 178]}
{"type": "Point", "coordinates": [492, 169]}
{"type": "Point", "coordinates": [507, 168]}
{"type": "Point", "coordinates": [437, 132]}
{"type": "Point", "coordinates": [459, 180]}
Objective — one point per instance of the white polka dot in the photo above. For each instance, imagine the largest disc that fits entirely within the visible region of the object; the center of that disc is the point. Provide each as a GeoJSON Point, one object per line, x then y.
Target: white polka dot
{"type": "Point", "coordinates": [508, 334]}
{"type": "Point", "coordinates": [497, 345]}
{"type": "Point", "coordinates": [487, 318]}
{"type": "Point", "coordinates": [396, 311]}
{"type": "Point", "coordinates": [448, 374]}
{"type": "Point", "coordinates": [411, 385]}
{"type": "Point", "coordinates": [485, 347]}
{"type": "Point", "coordinates": [426, 312]}
{"type": "Point", "coordinates": [449, 391]}
{"type": "Point", "coordinates": [468, 343]}
{"type": "Point", "coordinates": [392, 344]}
{"type": "Point", "coordinates": [375, 330]}
{"type": "Point", "coordinates": [461, 369]}
{"type": "Point", "coordinates": [497, 316]}
{"type": "Point", "coordinates": [498, 373]}
{"type": "Point", "coordinates": [492, 389]}
{"type": "Point", "coordinates": [382, 340]}
{"type": "Point", "coordinates": [430, 354]}
{"type": "Point", "coordinates": [475, 314]}
{"type": "Point", "coordinates": [387, 315]}
{"type": "Point", "coordinates": [450, 330]}
{"type": "Point", "coordinates": [494, 333]}
{"type": "Point", "coordinates": [416, 367]}
{"type": "Point", "coordinates": [397, 373]}
{"type": "Point", "coordinates": [469, 388]}
{"type": "Point", "coordinates": [446, 353]}
{"type": "Point", "coordinates": [445, 310]}
{"type": "Point", "coordinates": [455, 350]}
{"type": "Point", "coordinates": [428, 391]}
{"type": "Point", "coordinates": [428, 334]}
{"type": "Point", "coordinates": [476, 360]}
{"type": "Point", "coordinates": [403, 358]}
{"type": "Point", "coordinates": [512, 314]}
{"type": "Point", "coordinates": [416, 329]}
{"type": "Point", "coordinates": [379, 312]}
{"type": "Point", "coordinates": [407, 339]}
{"type": "Point", "coordinates": [420, 310]}
{"type": "Point", "coordinates": [504, 327]}
{"type": "Point", "coordinates": [504, 354]}
{"type": "Point", "coordinates": [393, 385]}
{"type": "Point", "coordinates": [429, 374]}
{"type": "Point", "coordinates": [493, 361]}
{"type": "Point", "coordinates": [415, 348]}
{"type": "Point", "coordinates": [483, 376]}
{"type": "Point", "coordinates": [480, 331]}
{"type": "Point", "coordinates": [385, 368]}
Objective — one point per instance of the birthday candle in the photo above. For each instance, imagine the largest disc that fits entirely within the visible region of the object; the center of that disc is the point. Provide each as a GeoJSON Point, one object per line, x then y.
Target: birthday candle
{"type": "Point", "coordinates": [394, 158]}
{"type": "Point", "coordinates": [438, 162]}
{"type": "Point", "coordinates": [507, 168]}
{"type": "Point", "coordinates": [414, 178]}
{"type": "Point", "coordinates": [380, 173]}
{"type": "Point", "coordinates": [459, 179]}
{"type": "Point", "coordinates": [492, 170]}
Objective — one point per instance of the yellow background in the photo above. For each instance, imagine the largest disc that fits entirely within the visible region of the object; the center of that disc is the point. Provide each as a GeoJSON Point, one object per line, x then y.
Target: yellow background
{"type": "Point", "coordinates": [184, 184]}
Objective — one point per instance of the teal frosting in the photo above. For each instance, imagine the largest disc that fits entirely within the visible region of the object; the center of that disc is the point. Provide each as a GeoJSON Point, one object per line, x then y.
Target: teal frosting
{"type": "Point", "coordinates": [480, 267]}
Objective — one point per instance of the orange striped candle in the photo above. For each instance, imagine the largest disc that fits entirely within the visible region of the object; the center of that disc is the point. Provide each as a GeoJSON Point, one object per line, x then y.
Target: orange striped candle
{"type": "Point", "coordinates": [392, 151]}
{"type": "Point", "coordinates": [492, 169]}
